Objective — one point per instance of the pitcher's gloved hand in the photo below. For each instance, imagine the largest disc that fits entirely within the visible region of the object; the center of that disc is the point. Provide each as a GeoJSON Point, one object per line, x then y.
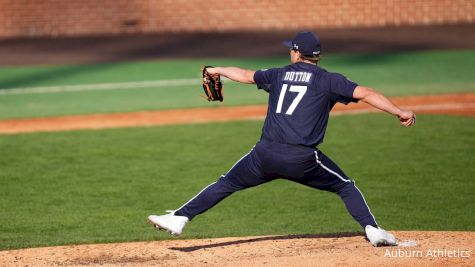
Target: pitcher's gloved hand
{"type": "Point", "coordinates": [212, 85]}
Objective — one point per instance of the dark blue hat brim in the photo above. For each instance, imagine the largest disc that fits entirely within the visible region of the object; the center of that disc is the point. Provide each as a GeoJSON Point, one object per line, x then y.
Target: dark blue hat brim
{"type": "Point", "coordinates": [288, 43]}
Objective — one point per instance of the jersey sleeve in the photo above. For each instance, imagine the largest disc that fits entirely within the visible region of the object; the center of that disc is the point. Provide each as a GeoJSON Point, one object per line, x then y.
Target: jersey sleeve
{"type": "Point", "coordinates": [341, 89]}
{"type": "Point", "coordinates": [264, 78]}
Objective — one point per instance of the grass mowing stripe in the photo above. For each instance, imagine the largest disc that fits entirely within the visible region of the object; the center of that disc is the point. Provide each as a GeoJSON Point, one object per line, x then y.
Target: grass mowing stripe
{"type": "Point", "coordinates": [126, 100]}
{"type": "Point", "coordinates": [99, 186]}
{"type": "Point", "coordinates": [396, 74]}
{"type": "Point", "coordinates": [100, 86]}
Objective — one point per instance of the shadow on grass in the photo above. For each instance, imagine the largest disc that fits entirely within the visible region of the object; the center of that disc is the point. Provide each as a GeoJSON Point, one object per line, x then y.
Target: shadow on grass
{"type": "Point", "coordinates": [50, 74]}
{"type": "Point", "coordinates": [266, 238]}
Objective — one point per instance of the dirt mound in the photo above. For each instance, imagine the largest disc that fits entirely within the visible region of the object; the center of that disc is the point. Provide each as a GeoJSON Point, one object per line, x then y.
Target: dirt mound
{"type": "Point", "coordinates": [453, 104]}
{"type": "Point", "coordinates": [346, 249]}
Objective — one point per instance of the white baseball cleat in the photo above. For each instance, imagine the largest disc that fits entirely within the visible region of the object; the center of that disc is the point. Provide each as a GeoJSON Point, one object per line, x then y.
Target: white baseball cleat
{"type": "Point", "coordinates": [170, 222]}
{"type": "Point", "coordinates": [378, 237]}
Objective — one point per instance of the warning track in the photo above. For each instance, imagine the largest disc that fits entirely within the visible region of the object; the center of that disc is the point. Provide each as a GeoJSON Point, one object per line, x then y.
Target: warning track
{"type": "Point", "coordinates": [462, 104]}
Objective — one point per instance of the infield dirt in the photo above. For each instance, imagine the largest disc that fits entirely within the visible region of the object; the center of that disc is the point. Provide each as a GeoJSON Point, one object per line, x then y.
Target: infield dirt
{"type": "Point", "coordinates": [452, 104]}
{"type": "Point", "coordinates": [344, 249]}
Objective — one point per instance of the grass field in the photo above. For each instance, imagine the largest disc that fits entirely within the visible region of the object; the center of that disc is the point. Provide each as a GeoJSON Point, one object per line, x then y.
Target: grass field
{"type": "Point", "coordinates": [99, 186]}
{"type": "Point", "coordinates": [394, 74]}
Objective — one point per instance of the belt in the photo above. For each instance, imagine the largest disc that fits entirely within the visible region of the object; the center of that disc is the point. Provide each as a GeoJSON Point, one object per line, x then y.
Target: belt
{"type": "Point", "coordinates": [270, 141]}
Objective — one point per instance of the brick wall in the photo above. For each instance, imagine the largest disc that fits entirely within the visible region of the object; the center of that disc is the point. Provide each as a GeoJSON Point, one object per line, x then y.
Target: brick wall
{"type": "Point", "coordinates": [31, 18]}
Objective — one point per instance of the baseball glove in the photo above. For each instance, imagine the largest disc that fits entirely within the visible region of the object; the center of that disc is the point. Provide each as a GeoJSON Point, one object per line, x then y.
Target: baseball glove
{"type": "Point", "coordinates": [212, 85]}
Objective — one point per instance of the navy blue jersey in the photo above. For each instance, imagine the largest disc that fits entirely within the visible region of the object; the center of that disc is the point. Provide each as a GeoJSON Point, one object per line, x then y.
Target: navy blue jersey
{"type": "Point", "coordinates": [301, 96]}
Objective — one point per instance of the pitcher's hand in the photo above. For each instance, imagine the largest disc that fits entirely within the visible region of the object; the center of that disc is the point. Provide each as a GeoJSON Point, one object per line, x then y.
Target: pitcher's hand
{"type": "Point", "coordinates": [407, 118]}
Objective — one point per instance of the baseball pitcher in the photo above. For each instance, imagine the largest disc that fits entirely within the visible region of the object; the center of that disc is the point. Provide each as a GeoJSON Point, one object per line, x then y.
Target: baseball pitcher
{"type": "Point", "coordinates": [301, 96]}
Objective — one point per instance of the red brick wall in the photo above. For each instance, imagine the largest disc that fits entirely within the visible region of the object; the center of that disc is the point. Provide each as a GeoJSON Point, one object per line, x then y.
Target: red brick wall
{"type": "Point", "coordinates": [20, 18]}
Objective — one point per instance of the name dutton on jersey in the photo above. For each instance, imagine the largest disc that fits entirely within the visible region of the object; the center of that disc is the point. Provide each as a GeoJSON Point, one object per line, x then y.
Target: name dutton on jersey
{"type": "Point", "coordinates": [297, 76]}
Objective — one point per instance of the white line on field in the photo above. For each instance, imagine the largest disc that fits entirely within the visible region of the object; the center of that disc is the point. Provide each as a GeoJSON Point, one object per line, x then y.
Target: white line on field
{"type": "Point", "coordinates": [100, 86]}
{"type": "Point", "coordinates": [442, 106]}
{"type": "Point", "coordinates": [422, 107]}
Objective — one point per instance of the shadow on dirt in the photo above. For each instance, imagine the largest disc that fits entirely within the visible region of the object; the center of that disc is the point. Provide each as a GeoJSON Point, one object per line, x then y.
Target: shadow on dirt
{"type": "Point", "coordinates": [267, 238]}
{"type": "Point", "coordinates": [102, 49]}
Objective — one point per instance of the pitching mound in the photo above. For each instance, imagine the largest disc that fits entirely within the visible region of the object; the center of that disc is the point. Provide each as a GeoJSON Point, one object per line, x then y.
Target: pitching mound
{"type": "Point", "coordinates": [415, 249]}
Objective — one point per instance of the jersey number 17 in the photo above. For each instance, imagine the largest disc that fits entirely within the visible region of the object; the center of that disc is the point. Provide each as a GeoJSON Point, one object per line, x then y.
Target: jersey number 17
{"type": "Point", "coordinates": [300, 89]}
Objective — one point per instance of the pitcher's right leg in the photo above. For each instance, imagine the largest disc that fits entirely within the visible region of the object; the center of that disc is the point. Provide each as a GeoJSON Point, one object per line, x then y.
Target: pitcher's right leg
{"type": "Point", "coordinates": [326, 175]}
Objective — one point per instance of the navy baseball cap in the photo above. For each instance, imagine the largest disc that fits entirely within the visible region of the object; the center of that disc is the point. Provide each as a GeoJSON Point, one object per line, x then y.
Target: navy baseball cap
{"type": "Point", "coordinates": [306, 43]}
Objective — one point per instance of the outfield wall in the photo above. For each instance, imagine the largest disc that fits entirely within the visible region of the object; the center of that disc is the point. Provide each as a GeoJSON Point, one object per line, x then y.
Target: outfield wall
{"type": "Point", "coordinates": [34, 18]}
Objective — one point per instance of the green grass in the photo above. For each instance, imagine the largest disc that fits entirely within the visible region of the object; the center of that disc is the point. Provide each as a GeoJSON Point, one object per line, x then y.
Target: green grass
{"type": "Point", "coordinates": [415, 73]}
{"type": "Point", "coordinates": [99, 186]}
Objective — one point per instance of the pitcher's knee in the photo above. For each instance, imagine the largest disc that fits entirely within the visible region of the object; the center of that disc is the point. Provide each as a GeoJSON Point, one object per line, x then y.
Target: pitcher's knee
{"type": "Point", "coordinates": [341, 187]}
{"type": "Point", "coordinates": [228, 184]}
